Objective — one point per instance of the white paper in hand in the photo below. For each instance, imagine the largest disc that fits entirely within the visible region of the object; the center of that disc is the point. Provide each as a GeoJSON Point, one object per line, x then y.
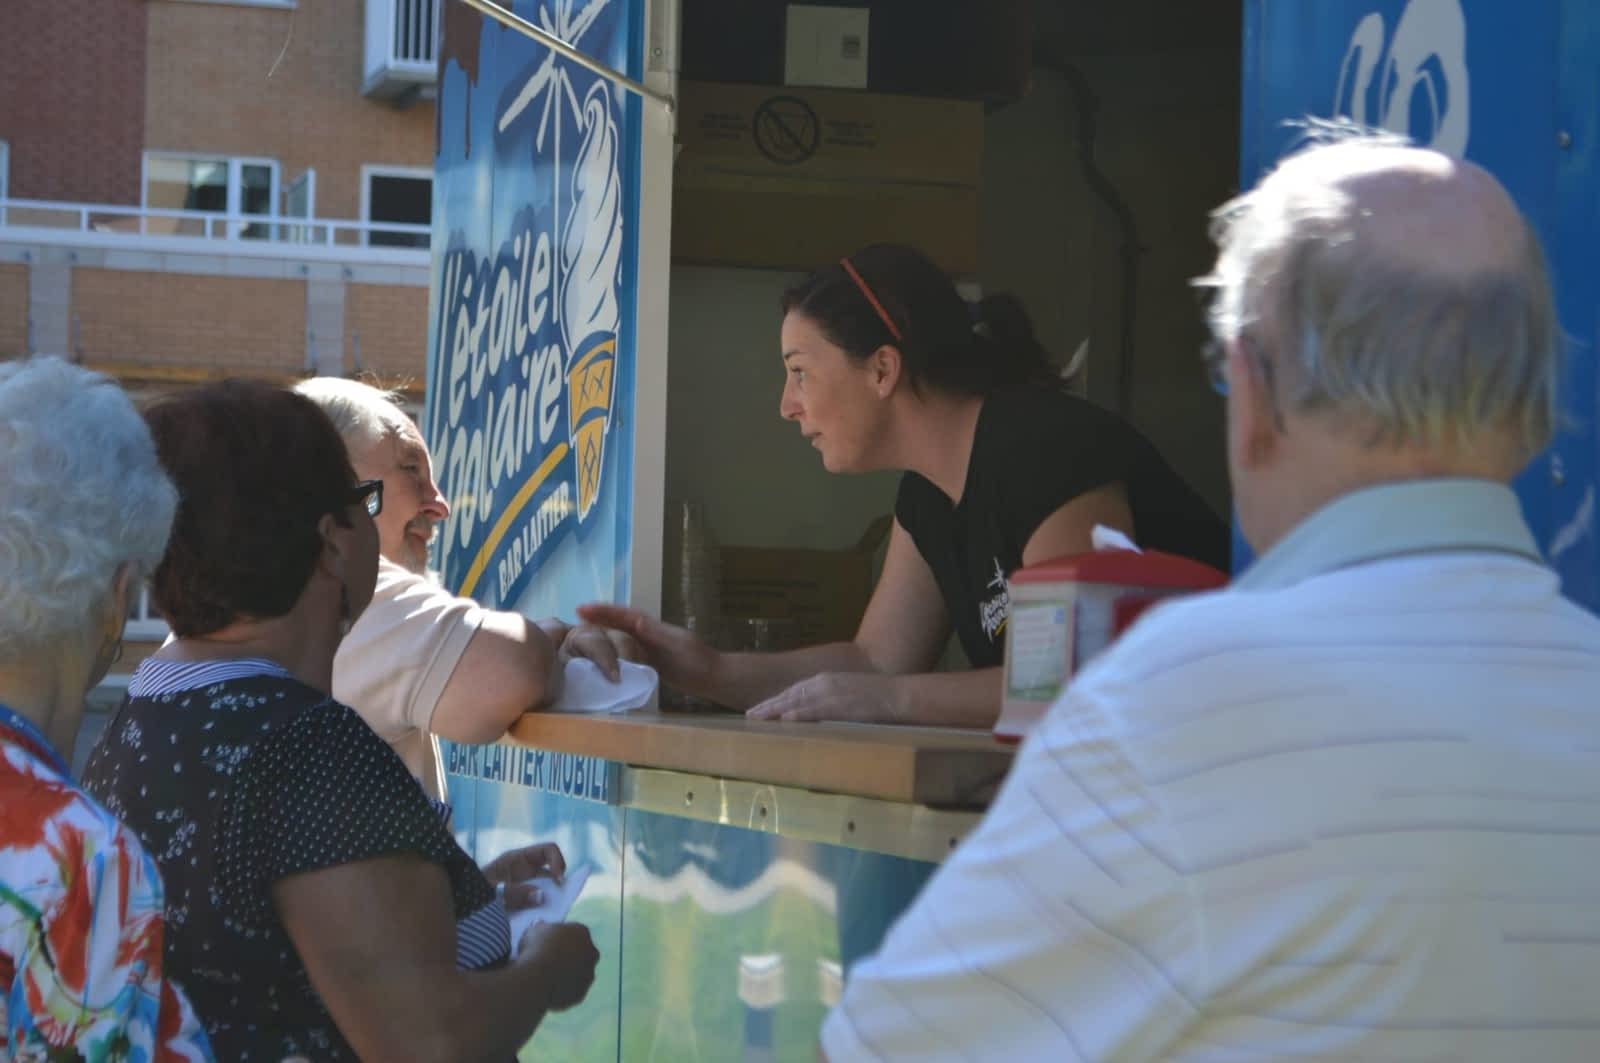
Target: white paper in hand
{"type": "Point", "coordinates": [585, 688]}
{"type": "Point", "coordinates": [558, 901]}
{"type": "Point", "coordinates": [1102, 537]}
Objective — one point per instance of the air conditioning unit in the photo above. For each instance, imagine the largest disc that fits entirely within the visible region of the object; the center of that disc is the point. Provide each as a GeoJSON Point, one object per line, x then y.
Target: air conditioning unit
{"type": "Point", "coordinates": [402, 52]}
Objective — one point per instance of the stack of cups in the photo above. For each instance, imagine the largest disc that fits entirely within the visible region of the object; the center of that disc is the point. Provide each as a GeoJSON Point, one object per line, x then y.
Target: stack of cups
{"type": "Point", "coordinates": [691, 591]}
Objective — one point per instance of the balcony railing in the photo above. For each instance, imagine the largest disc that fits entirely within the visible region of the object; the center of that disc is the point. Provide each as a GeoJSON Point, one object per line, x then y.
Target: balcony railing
{"type": "Point", "coordinates": [402, 48]}
{"type": "Point", "coordinates": [249, 230]}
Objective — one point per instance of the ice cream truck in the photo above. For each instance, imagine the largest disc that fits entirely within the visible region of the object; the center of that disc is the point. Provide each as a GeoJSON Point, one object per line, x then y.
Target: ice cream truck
{"type": "Point", "coordinates": [735, 872]}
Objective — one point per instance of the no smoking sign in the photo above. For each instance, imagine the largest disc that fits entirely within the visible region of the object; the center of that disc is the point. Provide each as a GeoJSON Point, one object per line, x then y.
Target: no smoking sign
{"type": "Point", "coordinates": [786, 130]}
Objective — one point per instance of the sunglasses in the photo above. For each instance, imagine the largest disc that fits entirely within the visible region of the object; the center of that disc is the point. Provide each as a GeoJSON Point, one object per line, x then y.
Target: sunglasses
{"type": "Point", "coordinates": [369, 494]}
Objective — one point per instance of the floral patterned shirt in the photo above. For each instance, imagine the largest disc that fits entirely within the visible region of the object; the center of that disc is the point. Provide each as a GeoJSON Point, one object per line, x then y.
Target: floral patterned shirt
{"type": "Point", "coordinates": [80, 924]}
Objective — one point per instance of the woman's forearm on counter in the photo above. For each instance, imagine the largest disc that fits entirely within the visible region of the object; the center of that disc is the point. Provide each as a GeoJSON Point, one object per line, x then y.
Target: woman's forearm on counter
{"type": "Point", "coordinates": [950, 699]}
{"type": "Point", "coordinates": [741, 680]}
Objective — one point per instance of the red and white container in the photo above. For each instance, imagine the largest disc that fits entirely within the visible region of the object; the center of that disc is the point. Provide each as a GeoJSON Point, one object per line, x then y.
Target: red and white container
{"type": "Point", "coordinates": [1065, 611]}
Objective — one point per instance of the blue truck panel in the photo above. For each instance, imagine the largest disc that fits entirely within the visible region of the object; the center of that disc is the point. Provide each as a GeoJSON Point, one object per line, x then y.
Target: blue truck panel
{"type": "Point", "coordinates": [1514, 87]}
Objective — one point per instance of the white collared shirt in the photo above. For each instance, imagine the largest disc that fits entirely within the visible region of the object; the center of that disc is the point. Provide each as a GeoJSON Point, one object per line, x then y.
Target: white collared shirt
{"type": "Point", "coordinates": [393, 665]}
{"type": "Point", "coordinates": [1347, 809]}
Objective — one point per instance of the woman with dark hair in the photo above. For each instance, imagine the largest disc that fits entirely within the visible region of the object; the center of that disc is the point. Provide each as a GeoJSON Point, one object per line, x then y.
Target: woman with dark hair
{"type": "Point", "coordinates": [317, 903]}
{"type": "Point", "coordinates": [889, 368]}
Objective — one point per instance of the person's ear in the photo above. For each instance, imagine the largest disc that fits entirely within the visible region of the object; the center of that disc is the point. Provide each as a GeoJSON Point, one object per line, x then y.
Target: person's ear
{"type": "Point", "coordinates": [332, 559]}
{"type": "Point", "coordinates": [886, 365]}
{"type": "Point", "coordinates": [113, 620]}
{"type": "Point", "coordinates": [124, 585]}
{"type": "Point", "coordinates": [1256, 432]}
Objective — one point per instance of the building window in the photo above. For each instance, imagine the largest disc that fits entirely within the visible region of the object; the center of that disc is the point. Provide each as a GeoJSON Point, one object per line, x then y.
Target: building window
{"type": "Point", "coordinates": [400, 195]}
{"type": "Point", "coordinates": [144, 623]}
{"type": "Point", "coordinates": [212, 185]}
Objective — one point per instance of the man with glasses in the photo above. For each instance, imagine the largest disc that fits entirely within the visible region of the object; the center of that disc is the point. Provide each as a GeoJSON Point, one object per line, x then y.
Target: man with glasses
{"type": "Point", "coordinates": [420, 661]}
{"type": "Point", "coordinates": [1347, 808]}
{"type": "Point", "coordinates": [369, 494]}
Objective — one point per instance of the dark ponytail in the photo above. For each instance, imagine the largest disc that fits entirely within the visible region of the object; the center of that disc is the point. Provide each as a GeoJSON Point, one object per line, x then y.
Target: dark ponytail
{"type": "Point", "coordinates": [1002, 325]}
{"type": "Point", "coordinates": [889, 294]}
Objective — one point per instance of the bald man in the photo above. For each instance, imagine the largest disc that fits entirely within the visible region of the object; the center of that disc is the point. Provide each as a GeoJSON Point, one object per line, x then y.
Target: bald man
{"type": "Point", "coordinates": [1348, 808]}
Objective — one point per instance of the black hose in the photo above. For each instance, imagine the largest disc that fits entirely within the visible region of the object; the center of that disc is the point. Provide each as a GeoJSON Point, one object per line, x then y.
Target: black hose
{"type": "Point", "coordinates": [1129, 248]}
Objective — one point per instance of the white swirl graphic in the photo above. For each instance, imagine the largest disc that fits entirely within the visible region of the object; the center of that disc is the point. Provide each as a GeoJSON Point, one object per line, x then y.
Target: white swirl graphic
{"type": "Point", "coordinates": [591, 247]}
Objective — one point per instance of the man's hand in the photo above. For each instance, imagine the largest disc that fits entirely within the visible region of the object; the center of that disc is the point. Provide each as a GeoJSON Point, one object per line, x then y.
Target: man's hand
{"type": "Point", "coordinates": [602, 645]}
{"type": "Point", "coordinates": [566, 953]}
{"type": "Point", "coordinates": [862, 697]}
{"type": "Point", "coordinates": [514, 868]}
{"type": "Point", "coordinates": [681, 657]}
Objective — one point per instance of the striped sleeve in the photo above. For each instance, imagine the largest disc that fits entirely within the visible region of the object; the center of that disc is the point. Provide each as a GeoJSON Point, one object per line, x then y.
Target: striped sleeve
{"type": "Point", "coordinates": [1060, 929]}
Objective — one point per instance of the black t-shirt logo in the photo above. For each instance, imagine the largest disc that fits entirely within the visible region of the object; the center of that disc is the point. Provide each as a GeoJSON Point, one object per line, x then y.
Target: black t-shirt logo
{"type": "Point", "coordinates": [994, 610]}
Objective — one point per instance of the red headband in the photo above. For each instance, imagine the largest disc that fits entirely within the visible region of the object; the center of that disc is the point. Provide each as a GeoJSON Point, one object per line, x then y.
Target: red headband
{"type": "Point", "coordinates": [873, 299]}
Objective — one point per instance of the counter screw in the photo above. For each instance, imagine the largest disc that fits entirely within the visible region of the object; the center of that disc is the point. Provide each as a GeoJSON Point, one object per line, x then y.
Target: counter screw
{"type": "Point", "coordinates": [1563, 139]}
{"type": "Point", "coordinates": [952, 843]}
{"type": "Point", "coordinates": [688, 798]}
{"type": "Point", "coordinates": [851, 826]}
{"type": "Point", "coordinates": [763, 811]}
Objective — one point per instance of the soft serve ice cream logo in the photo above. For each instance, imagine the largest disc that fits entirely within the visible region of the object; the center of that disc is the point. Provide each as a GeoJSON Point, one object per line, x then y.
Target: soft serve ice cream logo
{"type": "Point", "coordinates": [590, 254]}
{"type": "Point", "coordinates": [534, 329]}
{"type": "Point", "coordinates": [1413, 82]}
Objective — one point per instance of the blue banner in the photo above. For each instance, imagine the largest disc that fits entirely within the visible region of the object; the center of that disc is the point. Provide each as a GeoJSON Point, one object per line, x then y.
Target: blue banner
{"type": "Point", "coordinates": [1512, 86]}
{"type": "Point", "coordinates": [532, 363]}
{"type": "Point", "coordinates": [532, 313]}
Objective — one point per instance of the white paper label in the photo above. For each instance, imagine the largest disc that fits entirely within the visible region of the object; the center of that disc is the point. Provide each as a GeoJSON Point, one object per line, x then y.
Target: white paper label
{"type": "Point", "coordinates": [1038, 642]}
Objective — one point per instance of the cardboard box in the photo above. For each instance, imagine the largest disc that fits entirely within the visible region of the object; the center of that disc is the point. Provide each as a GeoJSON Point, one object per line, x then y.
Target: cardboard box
{"type": "Point", "coordinates": [791, 178]}
{"type": "Point", "coordinates": [814, 596]}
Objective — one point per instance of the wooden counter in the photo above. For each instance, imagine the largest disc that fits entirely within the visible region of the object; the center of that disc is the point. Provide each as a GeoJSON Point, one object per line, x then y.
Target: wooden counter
{"type": "Point", "coordinates": [938, 767]}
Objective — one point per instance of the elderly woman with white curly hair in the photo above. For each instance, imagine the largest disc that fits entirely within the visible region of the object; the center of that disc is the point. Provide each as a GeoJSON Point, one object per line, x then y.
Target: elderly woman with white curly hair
{"type": "Point", "coordinates": [84, 509]}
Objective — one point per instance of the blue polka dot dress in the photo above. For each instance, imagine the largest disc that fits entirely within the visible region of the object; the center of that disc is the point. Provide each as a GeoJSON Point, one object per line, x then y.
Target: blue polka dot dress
{"type": "Point", "coordinates": [235, 775]}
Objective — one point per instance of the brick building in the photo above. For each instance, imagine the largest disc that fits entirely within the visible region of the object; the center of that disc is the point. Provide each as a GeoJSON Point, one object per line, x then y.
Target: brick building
{"type": "Point", "coordinates": [201, 188]}
{"type": "Point", "coordinates": [195, 189]}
